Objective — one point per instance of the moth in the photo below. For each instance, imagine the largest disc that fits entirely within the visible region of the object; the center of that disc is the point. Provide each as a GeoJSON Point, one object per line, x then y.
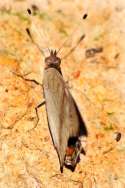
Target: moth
{"type": "Point", "coordinates": [64, 119]}
{"type": "Point", "coordinates": [65, 122]}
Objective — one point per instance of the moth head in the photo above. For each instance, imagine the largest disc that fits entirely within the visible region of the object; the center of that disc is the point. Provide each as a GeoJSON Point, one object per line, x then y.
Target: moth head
{"type": "Point", "coordinates": [52, 60]}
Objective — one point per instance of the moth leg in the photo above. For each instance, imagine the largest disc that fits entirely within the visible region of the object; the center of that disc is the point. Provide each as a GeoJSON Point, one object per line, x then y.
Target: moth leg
{"type": "Point", "coordinates": [27, 79]}
{"type": "Point", "coordinates": [37, 83]}
{"type": "Point", "coordinates": [36, 109]}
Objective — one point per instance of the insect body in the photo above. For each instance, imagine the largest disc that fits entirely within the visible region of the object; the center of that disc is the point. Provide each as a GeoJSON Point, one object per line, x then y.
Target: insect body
{"type": "Point", "coordinates": [64, 119]}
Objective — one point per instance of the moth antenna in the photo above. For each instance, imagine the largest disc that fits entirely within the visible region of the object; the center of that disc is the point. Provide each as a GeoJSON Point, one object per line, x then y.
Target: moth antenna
{"type": "Point", "coordinates": [29, 34]}
{"type": "Point", "coordinates": [83, 17]}
{"type": "Point", "coordinates": [30, 13]}
{"type": "Point", "coordinates": [65, 41]}
{"type": "Point", "coordinates": [74, 47]}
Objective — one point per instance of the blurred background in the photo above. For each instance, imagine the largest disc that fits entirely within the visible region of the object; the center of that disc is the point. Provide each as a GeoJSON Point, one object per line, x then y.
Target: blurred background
{"type": "Point", "coordinates": [95, 72]}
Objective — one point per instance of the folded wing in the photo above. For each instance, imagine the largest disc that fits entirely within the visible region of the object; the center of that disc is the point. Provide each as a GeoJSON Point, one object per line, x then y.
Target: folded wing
{"type": "Point", "coordinates": [62, 114]}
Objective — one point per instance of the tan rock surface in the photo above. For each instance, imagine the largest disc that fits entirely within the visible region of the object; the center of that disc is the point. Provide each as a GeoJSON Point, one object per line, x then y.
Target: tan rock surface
{"type": "Point", "coordinates": [27, 156]}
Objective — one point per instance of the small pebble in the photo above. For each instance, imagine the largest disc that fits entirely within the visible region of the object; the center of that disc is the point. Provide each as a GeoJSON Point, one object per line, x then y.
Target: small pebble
{"type": "Point", "coordinates": [91, 52]}
{"type": "Point", "coordinates": [85, 16]}
{"type": "Point", "coordinates": [6, 90]}
{"type": "Point", "coordinates": [117, 136]}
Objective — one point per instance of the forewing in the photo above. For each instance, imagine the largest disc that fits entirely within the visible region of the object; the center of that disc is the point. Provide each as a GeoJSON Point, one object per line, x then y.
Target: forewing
{"type": "Point", "coordinates": [61, 112]}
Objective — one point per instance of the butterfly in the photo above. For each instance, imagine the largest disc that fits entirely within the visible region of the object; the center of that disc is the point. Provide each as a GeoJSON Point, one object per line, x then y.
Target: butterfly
{"type": "Point", "coordinates": [65, 122]}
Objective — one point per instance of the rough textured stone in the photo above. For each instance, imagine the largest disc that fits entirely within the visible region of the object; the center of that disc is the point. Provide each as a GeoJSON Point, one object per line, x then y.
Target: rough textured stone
{"type": "Point", "coordinates": [27, 156]}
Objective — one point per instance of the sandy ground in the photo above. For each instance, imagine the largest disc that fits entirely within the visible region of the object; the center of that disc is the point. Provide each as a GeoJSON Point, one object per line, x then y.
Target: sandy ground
{"type": "Point", "coordinates": [27, 156]}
